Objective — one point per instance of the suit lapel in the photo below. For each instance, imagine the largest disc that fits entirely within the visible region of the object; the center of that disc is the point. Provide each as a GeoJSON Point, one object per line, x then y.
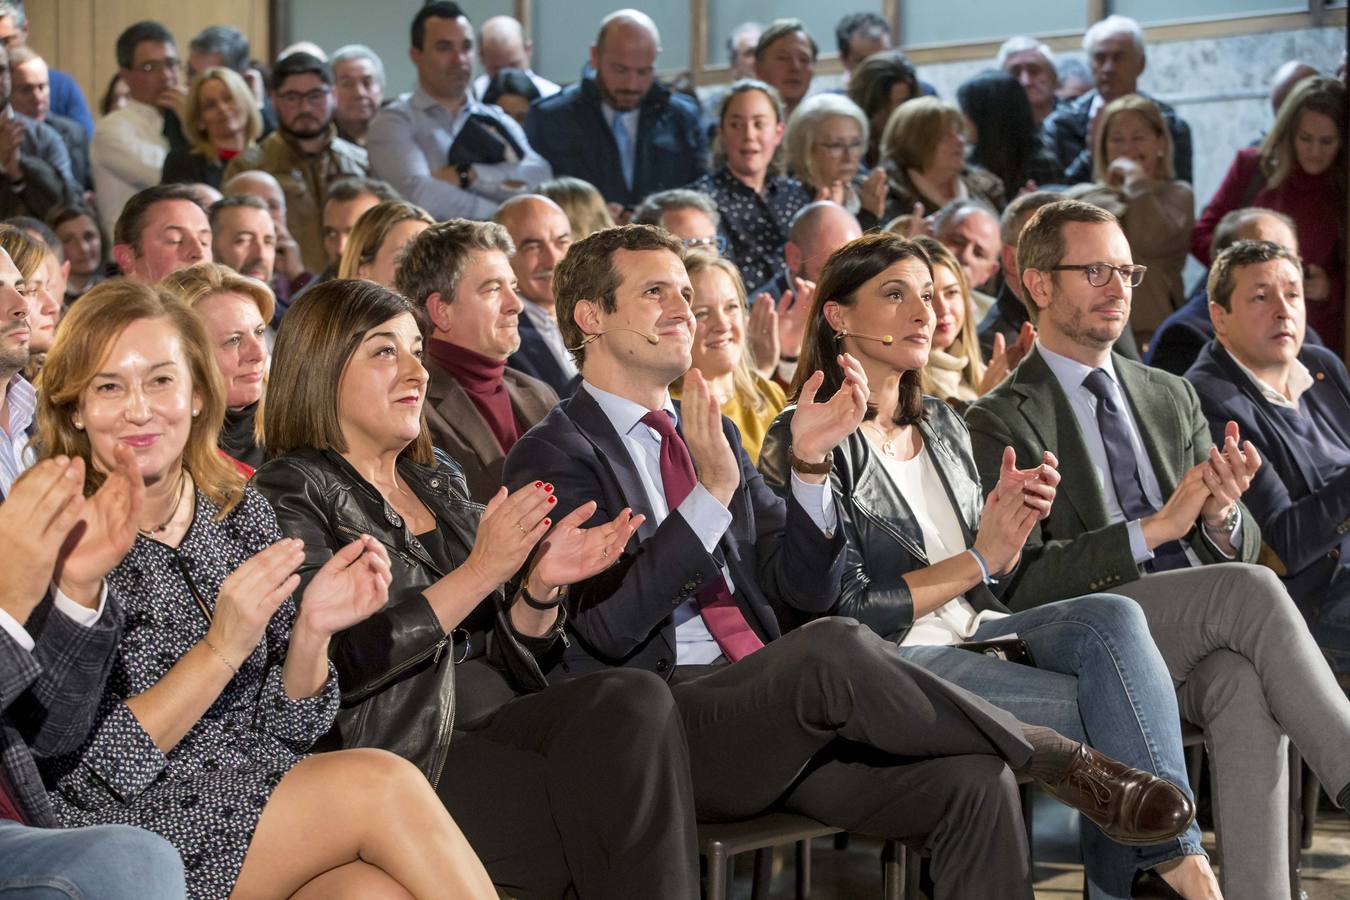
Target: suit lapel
{"type": "Point", "coordinates": [453, 405]}
{"type": "Point", "coordinates": [595, 426]}
{"type": "Point", "coordinates": [1154, 416]}
{"type": "Point", "coordinates": [1047, 410]}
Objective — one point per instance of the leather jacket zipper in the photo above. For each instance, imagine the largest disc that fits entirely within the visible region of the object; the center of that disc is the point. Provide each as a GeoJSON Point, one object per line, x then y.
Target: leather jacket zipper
{"type": "Point", "coordinates": [884, 525]}
{"type": "Point", "coordinates": [374, 687]}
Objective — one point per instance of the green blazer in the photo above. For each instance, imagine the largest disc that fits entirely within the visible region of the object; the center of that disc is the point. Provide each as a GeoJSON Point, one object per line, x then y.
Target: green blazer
{"type": "Point", "coordinates": [1077, 550]}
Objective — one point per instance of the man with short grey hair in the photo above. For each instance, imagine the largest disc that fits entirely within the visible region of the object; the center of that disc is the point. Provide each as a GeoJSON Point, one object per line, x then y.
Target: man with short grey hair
{"type": "Point", "coordinates": [689, 215]}
{"type": "Point", "coordinates": [1032, 63]}
{"type": "Point", "coordinates": [502, 44]}
{"type": "Point", "coordinates": [35, 172]}
{"type": "Point", "coordinates": [459, 273]}
{"type": "Point", "coordinates": [358, 76]}
{"type": "Point", "coordinates": [1116, 52]}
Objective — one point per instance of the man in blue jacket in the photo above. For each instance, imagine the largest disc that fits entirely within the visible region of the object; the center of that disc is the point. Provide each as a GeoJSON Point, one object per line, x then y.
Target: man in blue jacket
{"type": "Point", "coordinates": [619, 129]}
{"type": "Point", "coordinates": [1292, 401]}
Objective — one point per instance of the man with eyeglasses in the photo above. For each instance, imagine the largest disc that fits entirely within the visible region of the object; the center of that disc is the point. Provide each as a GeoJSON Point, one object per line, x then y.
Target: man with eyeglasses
{"type": "Point", "coordinates": [34, 163]}
{"type": "Point", "coordinates": [541, 233]}
{"type": "Point", "coordinates": [689, 215]}
{"type": "Point", "coordinates": [1149, 508]}
{"type": "Point", "coordinates": [305, 153]}
{"type": "Point", "coordinates": [129, 145]}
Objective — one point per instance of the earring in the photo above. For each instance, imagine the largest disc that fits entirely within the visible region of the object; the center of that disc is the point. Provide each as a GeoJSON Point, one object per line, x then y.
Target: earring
{"type": "Point", "coordinates": [196, 413]}
{"type": "Point", "coordinates": [79, 426]}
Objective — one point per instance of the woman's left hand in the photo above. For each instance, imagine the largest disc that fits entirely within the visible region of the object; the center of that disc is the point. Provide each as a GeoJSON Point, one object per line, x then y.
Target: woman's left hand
{"type": "Point", "coordinates": [1037, 485]}
{"type": "Point", "coordinates": [570, 553]}
{"type": "Point", "coordinates": [872, 194]}
{"type": "Point", "coordinates": [762, 338]}
{"type": "Point", "coordinates": [106, 530]}
{"type": "Point", "coordinates": [350, 587]}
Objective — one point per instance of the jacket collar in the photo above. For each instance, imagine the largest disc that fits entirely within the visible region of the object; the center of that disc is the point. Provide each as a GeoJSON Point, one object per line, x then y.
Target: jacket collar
{"type": "Point", "coordinates": [657, 96]}
{"type": "Point", "coordinates": [449, 398]}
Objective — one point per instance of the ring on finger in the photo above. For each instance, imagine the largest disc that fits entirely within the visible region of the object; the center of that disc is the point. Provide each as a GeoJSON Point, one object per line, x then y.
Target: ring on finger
{"type": "Point", "coordinates": [521, 528]}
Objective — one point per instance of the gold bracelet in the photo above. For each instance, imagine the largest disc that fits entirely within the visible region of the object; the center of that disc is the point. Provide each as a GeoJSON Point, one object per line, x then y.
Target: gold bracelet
{"type": "Point", "coordinates": [212, 647]}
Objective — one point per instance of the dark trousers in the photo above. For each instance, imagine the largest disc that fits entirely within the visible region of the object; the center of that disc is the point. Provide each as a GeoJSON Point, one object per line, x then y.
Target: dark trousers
{"type": "Point", "coordinates": [584, 786]}
{"type": "Point", "coordinates": [831, 723]}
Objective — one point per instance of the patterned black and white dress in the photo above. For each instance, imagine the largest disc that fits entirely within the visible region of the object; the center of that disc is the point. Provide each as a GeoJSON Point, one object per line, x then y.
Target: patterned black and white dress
{"type": "Point", "coordinates": [206, 794]}
{"type": "Point", "coordinates": [755, 225]}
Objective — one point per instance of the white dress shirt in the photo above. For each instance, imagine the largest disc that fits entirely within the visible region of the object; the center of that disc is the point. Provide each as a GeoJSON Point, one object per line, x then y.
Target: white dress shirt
{"type": "Point", "coordinates": [708, 518]}
{"type": "Point", "coordinates": [126, 156]}
{"type": "Point", "coordinates": [546, 323]}
{"type": "Point", "coordinates": [80, 615]}
{"type": "Point", "coordinates": [411, 138]}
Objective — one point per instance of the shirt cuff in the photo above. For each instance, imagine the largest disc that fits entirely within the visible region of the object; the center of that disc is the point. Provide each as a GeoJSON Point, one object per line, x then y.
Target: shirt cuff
{"type": "Point", "coordinates": [818, 501]}
{"type": "Point", "coordinates": [709, 518]}
{"type": "Point", "coordinates": [1234, 537]}
{"type": "Point", "coordinates": [1138, 546]}
{"type": "Point", "coordinates": [77, 613]}
{"type": "Point", "coordinates": [787, 369]}
{"type": "Point", "coordinates": [15, 630]}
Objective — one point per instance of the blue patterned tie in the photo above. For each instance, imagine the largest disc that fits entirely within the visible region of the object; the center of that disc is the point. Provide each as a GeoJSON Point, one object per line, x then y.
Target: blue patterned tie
{"type": "Point", "coordinates": [1124, 466]}
{"type": "Point", "coordinates": [624, 141]}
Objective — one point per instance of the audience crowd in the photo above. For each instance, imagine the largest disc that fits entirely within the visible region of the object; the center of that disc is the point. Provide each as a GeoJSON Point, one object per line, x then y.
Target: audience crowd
{"type": "Point", "coordinates": [469, 491]}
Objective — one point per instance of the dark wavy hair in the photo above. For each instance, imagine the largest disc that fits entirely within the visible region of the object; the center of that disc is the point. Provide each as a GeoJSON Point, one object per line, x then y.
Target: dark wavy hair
{"type": "Point", "coordinates": [1006, 136]}
{"type": "Point", "coordinates": [847, 270]}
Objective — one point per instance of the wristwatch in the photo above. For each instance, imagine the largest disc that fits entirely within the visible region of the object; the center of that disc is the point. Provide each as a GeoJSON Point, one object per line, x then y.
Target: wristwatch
{"type": "Point", "coordinates": [465, 171]}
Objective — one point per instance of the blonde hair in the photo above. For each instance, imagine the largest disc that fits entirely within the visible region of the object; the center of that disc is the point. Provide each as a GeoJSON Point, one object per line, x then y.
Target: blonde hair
{"type": "Point", "coordinates": [743, 375]}
{"type": "Point", "coordinates": [84, 339]}
{"type": "Point", "coordinates": [914, 130]}
{"type": "Point", "coordinates": [1152, 115]}
{"type": "Point", "coordinates": [370, 231]}
{"type": "Point", "coordinates": [804, 126]}
{"type": "Point", "coordinates": [205, 280]}
{"type": "Point", "coordinates": [583, 205]}
{"type": "Point", "coordinates": [1316, 94]}
{"type": "Point", "coordinates": [967, 341]}
{"type": "Point", "coordinates": [27, 253]}
{"type": "Point", "coordinates": [238, 89]}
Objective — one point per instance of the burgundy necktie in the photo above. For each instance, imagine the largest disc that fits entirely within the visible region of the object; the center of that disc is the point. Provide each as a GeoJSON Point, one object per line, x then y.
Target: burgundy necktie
{"type": "Point", "coordinates": [725, 621]}
{"type": "Point", "coordinates": [9, 806]}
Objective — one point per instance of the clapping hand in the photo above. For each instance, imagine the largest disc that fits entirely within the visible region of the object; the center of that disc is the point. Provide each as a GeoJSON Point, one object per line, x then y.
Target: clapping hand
{"type": "Point", "coordinates": [250, 596]}
{"type": "Point", "coordinates": [353, 585]}
{"type": "Point", "coordinates": [1228, 474]}
{"type": "Point", "coordinates": [872, 194]}
{"type": "Point", "coordinates": [701, 417]}
{"type": "Point", "coordinates": [105, 531]}
{"type": "Point", "coordinates": [41, 509]}
{"type": "Point", "coordinates": [793, 309]}
{"type": "Point", "coordinates": [1037, 485]}
{"type": "Point", "coordinates": [1005, 523]}
{"type": "Point", "coordinates": [571, 553]}
{"type": "Point", "coordinates": [763, 339]}
{"type": "Point", "coordinates": [817, 428]}
{"type": "Point", "coordinates": [511, 525]}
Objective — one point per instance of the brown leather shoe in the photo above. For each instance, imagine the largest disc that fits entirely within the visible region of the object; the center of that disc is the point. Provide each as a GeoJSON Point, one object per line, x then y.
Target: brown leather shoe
{"type": "Point", "coordinates": [1130, 806]}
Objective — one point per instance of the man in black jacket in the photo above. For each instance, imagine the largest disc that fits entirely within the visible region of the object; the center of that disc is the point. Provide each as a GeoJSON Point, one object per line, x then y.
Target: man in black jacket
{"type": "Point", "coordinates": [619, 129]}
{"type": "Point", "coordinates": [55, 654]}
{"type": "Point", "coordinates": [828, 721]}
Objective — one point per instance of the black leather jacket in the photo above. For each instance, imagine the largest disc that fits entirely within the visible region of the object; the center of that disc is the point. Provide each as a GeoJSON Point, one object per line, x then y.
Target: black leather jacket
{"type": "Point", "coordinates": [396, 669]}
{"type": "Point", "coordinates": [884, 540]}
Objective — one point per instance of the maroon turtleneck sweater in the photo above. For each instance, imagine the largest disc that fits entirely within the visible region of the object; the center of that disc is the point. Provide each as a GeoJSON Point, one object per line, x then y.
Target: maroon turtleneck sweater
{"type": "Point", "coordinates": [481, 378]}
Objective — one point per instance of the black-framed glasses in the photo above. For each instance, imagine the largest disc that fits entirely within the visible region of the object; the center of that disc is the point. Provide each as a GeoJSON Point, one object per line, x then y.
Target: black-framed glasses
{"type": "Point", "coordinates": [309, 98]}
{"type": "Point", "coordinates": [155, 66]}
{"type": "Point", "coordinates": [716, 242]}
{"type": "Point", "coordinates": [1099, 274]}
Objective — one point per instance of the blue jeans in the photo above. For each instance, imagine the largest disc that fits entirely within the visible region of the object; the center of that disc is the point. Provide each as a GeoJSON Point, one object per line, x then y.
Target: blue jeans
{"type": "Point", "coordinates": [110, 862]}
{"type": "Point", "coordinates": [1099, 679]}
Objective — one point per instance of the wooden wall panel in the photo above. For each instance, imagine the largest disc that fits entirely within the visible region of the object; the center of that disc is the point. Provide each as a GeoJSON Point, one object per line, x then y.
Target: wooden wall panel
{"type": "Point", "coordinates": [79, 36]}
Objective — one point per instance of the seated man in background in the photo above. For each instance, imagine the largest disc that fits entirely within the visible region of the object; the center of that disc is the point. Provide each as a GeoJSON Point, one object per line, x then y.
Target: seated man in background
{"type": "Point", "coordinates": [970, 229]}
{"type": "Point", "coordinates": [1292, 401]}
{"type": "Point", "coordinates": [459, 273]}
{"type": "Point", "coordinates": [244, 237]}
{"type": "Point", "coordinates": [1032, 63]}
{"type": "Point", "coordinates": [292, 276]}
{"type": "Point", "coordinates": [31, 94]}
{"type": "Point", "coordinates": [541, 233]}
{"type": "Point", "coordinates": [502, 45]}
{"type": "Point", "coordinates": [1182, 335]}
{"type": "Point", "coordinates": [785, 59]}
{"type": "Point", "coordinates": [347, 199]}
{"type": "Point", "coordinates": [161, 230]}
{"type": "Point", "coordinates": [621, 129]}
{"type": "Point", "coordinates": [689, 215]}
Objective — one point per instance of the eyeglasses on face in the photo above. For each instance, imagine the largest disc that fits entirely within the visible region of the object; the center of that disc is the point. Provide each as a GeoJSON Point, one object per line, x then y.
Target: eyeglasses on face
{"type": "Point", "coordinates": [840, 148]}
{"type": "Point", "coordinates": [310, 98]}
{"type": "Point", "coordinates": [155, 66]}
{"type": "Point", "coordinates": [1099, 274]}
{"type": "Point", "coordinates": [707, 243]}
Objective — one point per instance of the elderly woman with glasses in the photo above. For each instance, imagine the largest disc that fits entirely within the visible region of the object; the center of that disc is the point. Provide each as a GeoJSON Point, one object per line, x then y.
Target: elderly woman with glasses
{"type": "Point", "coordinates": [826, 141]}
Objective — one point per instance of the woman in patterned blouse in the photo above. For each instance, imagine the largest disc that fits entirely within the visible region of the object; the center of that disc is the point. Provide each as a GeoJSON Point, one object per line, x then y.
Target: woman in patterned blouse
{"type": "Point", "coordinates": [219, 686]}
{"type": "Point", "coordinates": [755, 201]}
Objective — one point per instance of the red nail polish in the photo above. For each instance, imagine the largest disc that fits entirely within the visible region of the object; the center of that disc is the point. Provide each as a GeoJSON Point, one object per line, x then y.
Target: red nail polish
{"type": "Point", "coordinates": [552, 500]}
{"type": "Point", "coordinates": [549, 488]}
{"type": "Point", "coordinates": [548, 521]}
{"type": "Point", "coordinates": [538, 484]}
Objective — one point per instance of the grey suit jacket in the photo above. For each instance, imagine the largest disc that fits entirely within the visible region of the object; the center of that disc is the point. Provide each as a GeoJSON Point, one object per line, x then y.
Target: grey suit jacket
{"type": "Point", "coordinates": [458, 428]}
{"type": "Point", "coordinates": [1078, 550]}
{"type": "Point", "coordinates": [48, 697]}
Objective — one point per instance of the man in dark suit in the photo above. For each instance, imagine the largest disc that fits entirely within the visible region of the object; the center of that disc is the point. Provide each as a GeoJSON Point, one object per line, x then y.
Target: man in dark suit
{"type": "Point", "coordinates": [459, 272]}
{"type": "Point", "coordinates": [1115, 50]}
{"type": "Point", "coordinates": [1149, 508]}
{"type": "Point", "coordinates": [1183, 334]}
{"type": "Point", "coordinates": [1293, 402]}
{"type": "Point", "coordinates": [55, 653]}
{"type": "Point", "coordinates": [821, 722]}
{"type": "Point", "coordinates": [32, 96]}
{"type": "Point", "coordinates": [619, 129]}
{"type": "Point", "coordinates": [542, 234]}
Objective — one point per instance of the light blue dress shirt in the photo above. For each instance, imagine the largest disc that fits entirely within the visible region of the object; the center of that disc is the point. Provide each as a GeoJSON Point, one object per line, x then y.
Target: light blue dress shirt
{"type": "Point", "coordinates": [20, 400]}
{"type": "Point", "coordinates": [708, 518]}
{"type": "Point", "coordinates": [1071, 374]}
{"type": "Point", "coordinates": [411, 138]}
